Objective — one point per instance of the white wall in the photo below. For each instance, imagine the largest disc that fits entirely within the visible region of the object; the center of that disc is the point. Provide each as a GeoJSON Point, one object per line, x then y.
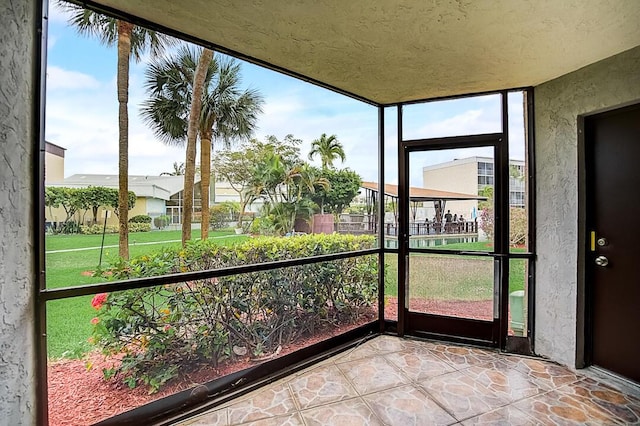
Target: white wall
{"type": "Point", "coordinates": [17, 257]}
{"type": "Point", "coordinates": [608, 83]}
{"type": "Point", "coordinates": [155, 207]}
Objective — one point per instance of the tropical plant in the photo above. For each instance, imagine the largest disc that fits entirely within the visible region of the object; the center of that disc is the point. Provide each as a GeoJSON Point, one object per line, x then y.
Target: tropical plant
{"type": "Point", "coordinates": [132, 41]}
{"type": "Point", "coordinates": [328, 148]}
{"type": "Point", "coordinates": [282, 180]}
{"type": "Point", "coordinates": [228, 114]}
{"type": "Point", "coordinates": [178, 170]}
{"type": "Point", "coordinates": [343, 187]}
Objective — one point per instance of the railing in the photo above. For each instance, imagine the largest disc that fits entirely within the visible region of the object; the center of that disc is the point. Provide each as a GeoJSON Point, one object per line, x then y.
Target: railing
{"type": "Point", "coordinates": [415, 228]}
{"type": "Point", "coordinates": [434, 228]}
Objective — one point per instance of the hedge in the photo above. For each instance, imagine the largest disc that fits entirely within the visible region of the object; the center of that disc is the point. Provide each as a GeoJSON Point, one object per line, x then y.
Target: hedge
{"type": "Point", "coordinates": [113, 229]}
{"type": "Point", "coordinates": [167, 329]}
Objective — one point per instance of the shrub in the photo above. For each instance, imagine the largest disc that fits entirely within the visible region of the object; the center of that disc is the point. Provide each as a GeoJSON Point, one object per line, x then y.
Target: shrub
{"type": "Point", "coordinates": [218, 216]}
{"type": "Point", "coordinates": [139, 227]}
{"type": "Point", "coordinates": [98, 229]}
{"type": "Point", "coordinates": [162, 221]}
{"type": "Point", "coordinates": [113, 229]}
{"type": "Point", "coordinates": [141, 218]}
{"type": "Point", "coordinates": [517, 224]}
{"type": "Point", "coordinates": [262, 226]}
{"type": "Point", "coordinates": [163, 330]}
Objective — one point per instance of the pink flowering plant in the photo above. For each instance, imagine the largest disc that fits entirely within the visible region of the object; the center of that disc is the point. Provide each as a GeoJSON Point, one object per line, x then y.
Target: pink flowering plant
{"type": "Point", "coordinates": [163, 330]}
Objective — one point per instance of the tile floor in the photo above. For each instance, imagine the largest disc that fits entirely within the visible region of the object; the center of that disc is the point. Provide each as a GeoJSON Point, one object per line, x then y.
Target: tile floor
{"type": "Point", "coordinates": [394, 381]}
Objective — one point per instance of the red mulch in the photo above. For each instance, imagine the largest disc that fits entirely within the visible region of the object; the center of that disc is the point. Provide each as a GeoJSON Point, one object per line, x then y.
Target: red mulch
{"type": "Point", "coordinates": [80, 396]}
{"type": "Point", "coordinates": [482, 309]}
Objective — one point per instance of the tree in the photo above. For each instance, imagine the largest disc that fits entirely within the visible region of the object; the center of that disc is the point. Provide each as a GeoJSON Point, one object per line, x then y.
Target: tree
{"type": "Point", "coordinates": [67, 198]}
{"type": "Point", "coordinates": [284, 182]}
{"type": "Point", "coordinates": [237, 168]}
{"type": "Point", "coordinates": [131, 41]}
{"type": "Point", "coordinates": [178, 170]}
{"type": "Point", "coordinates": [94, 197]}
{"type": "Point", "coordinates": [328, 148]}
{"type": "Point", "coordinates": [228, 114]}
{"type": "Point", "coordinates": [74, 199]}
{"type": "Point", "coordinates": [343, 187]}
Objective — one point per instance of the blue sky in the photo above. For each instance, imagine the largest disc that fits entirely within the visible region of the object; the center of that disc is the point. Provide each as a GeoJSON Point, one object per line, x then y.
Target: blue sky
{"type": "Point", "coordinates": [82, 114]}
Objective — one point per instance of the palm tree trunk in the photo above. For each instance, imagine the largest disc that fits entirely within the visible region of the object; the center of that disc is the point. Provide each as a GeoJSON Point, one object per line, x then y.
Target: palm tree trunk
{"type": "Point", "coordinates": [192, 133]}
{"type": "Point", "coordinates": [205, 181]}
{"type": "Point", "coordinates": [124, 53]}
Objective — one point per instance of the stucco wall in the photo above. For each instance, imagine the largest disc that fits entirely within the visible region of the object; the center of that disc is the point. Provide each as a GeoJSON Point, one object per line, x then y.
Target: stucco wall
{"type": "Point", "coordinates": [558, 102]}
{"type": "Point", "coordinates": [17, 354]}
{"type": "Point", "coordinates": [54, 168]}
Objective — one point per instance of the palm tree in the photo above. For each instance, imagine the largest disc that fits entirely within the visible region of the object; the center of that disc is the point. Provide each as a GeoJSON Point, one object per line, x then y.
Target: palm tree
{"type": "Point", "coordinates": [328, 148]}
{"type": "Point", "coordinates": [228, 114]}
{"type": "Point", "coordinates": [131, 41]}
{"type": "Point", "coordinates": [178, 170]}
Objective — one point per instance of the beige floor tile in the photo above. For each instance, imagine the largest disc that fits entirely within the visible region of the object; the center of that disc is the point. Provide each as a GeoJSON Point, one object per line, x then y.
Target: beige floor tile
{"type": "Point", "coordinates": [372, 374]}
{"type": "Point", "coordinates": [592, 393]}
{"type": "Point", "coordinates": [505, 382]}
{"type": "Point", "coordinates": [461, 396]}
{"type": "Point", "coordinates": [506, 416]}
{"type": "Point", "coordinates": [351, 412]}
{"type": "Point", "coordinates": [412, 382]}
{"type": "Point", "coordinates": [407, 406]}
{"type": "Point", "coordinates": [271, 401]}
{"type": "Point", "coordinates": [213, 418]}
{"type": "Point", "coordinates": [358, 352]}
{"type": "Point", "coordinates": [290, 420]}
{"type": "Point", "coordinates": [321, 386]}
{"type": "Point", "coordinates": [386, 344]}
{"type": "Point", "coordinates": [546, 374]}
{"type": "Point", "coordinates": [463, 356]}
{"type": "Point", "coordinates": [418, 363]}
{"type": "Point", "coordinates": [555, 408]}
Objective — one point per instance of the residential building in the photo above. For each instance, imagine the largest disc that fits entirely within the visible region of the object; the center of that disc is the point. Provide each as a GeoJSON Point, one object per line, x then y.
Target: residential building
{"type": "Point", "coordinates": [54, 163]}
{"type": "Point", "coordinates": [471, 175]}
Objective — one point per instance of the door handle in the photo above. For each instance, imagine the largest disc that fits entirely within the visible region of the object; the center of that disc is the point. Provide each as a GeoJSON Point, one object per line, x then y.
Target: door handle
{"type": "Point", "coordinates": [602, 261]}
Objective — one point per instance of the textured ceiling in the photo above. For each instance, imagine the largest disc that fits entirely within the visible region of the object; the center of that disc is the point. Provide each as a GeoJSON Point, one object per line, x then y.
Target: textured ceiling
{"type": "Point", "coordinates": [398, 50]}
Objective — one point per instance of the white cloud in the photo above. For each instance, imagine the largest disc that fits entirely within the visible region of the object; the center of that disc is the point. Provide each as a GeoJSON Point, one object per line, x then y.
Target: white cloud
{"type": "Point", "coordinates": [469, 122]}
{"type": "Point", "coordinates": [85, 122]}
{"type": "Point", "coordinates": [57, 14]}
{"type": "Point", "coordinates": [59, 78]}
{"type": "Point", "coordinates": [51, 41]}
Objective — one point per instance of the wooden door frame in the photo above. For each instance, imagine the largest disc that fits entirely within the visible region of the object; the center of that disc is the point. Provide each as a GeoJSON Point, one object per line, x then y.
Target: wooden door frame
{"type": "Point", "coordinates": [584, 325]}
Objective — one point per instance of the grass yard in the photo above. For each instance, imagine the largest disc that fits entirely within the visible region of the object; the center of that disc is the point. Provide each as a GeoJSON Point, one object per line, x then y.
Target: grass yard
{"type": "Point", "coordinates": [68, 320]}
{"type": "Point", "coordinates": [451, 277]}
{"type": "Point", "coordinates": [66, 242]}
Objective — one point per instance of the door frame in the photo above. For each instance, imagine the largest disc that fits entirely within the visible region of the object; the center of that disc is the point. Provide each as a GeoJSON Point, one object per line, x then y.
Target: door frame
{"type": "Point", "coordinates": [490, 333]}
{"type": "Point", "coordinates": [584, 324]}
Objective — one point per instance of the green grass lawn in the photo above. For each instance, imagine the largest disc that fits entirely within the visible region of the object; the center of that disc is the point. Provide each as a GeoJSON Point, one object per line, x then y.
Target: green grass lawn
{"type": "Point", "coordinates": [452, 277]}
{"type": "Point", "coordinates": [65, 242]}
{"type": "Point", "coordinates": [68, 320]}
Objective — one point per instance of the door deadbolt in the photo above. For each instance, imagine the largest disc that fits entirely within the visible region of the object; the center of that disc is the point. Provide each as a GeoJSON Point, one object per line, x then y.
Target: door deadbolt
{"type": "Point", "coordinates": [602, 242]}
{"type": "Point", "coordinates": [602, 261]}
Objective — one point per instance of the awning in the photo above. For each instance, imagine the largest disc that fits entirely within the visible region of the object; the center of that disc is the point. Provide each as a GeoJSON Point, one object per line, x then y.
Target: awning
{"type": "Point", "coordinates": [422, 194]}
